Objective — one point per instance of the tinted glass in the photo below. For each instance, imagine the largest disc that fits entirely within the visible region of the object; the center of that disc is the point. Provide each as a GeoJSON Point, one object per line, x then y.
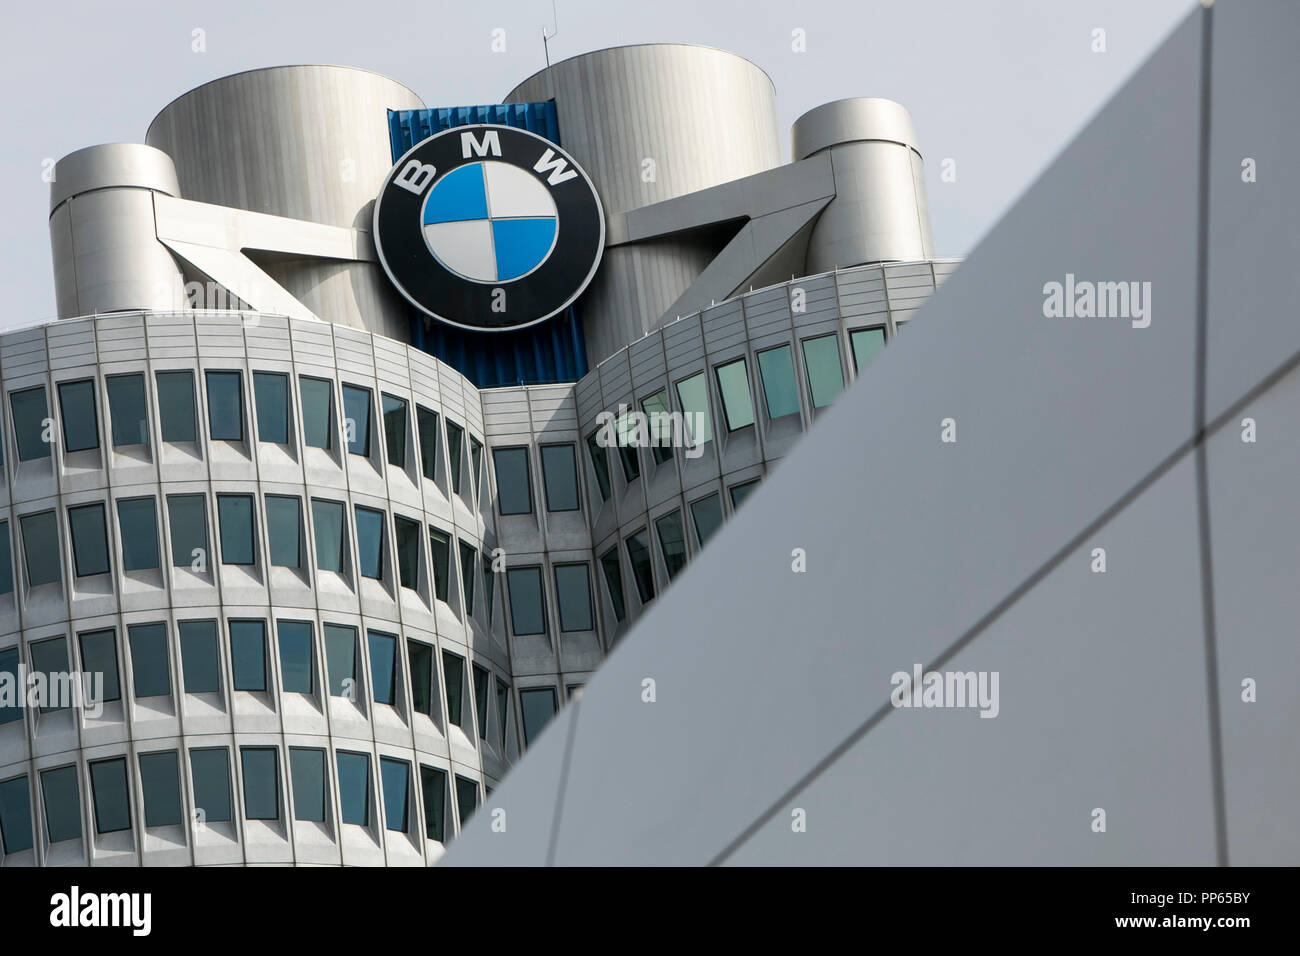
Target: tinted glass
{"type": "Point", "coordinates": [466, 798]}
{"type": "Point", "coordinates": [137, 520]}
{"type": "Point", "coordinates": [537, 705]}
{"type": "Point", "coordinates": [489, 597]}
{"type": "Point", "coordinates": [176, 406]}
{"type": "Point", "coordinates": [503, 709]}
{"type": "Point", "coordinates": [16, 815]}
{"type": "Point", "coordinates": [433, 784]}
{"type": "Point", "coordinates": [210, 770]}
{"type": "Point", "coordinates": [200, 657]}
{"type": "Point", "coordinates": [317, 403]}
{"type": "Point", "coordinates": [150, 661]}
{"type": "Point", "coordinates": [294, 638]}
{"type": "Point", "coordinates": [427, 423]}
{"type": "Point", "coordinates": [89, 540]}
{"type": "Point", "coordinates": [573, 591]}
{"type": "Point", "coordinates": [6, 560]}
{"type": "Point", "coordinates": [673, 542]}
{"type": "Point", "coordinates": [225, 407]}
{"type": "Point", "coordinates": [99, 656]}
{"type": "Point", "coordinates": [395, 775]}
{"type": "Point", "coordinates": [421, 662]}
{"type": "Point", "coordinates": [740, 492]}
{"type": "Point", "coordinates": [248, 654]}
{"type": "Point", "coordinates": [707, 514]}
{"type": "Point", "coordinates": [395, 431]}
{"type": "Point", "coordinates": [638, 551]}
{"type": "Point", "coordinates": [455, 445]}
{"type": "Point", "coordinates": [261, 783]}
{"type": "Point", "coordinates": [661, 429]}
{"type": "Point", "coordinates": [560, 473]}
{"type": "Point", "coordinates": [127, 410]}
{"type": "Point", "coordinates": [307, 773]}
{"type": "Point", "coordinates": [527, 612]}
{"type": "Point", "coordinates": [327, 523]}
{"type": "Point", "coordinates": [30, 412]}
{"type": "Point", "coordinates": [482, 688]}
{"type": "Point", "coordinates": [370, 542]}
{"type": "Point", "coordinates": [440, 550]}
{"type": "Point", "coordinates": [733, 384]}
{"type": "Point", "coordinates": [866, 343]}
{"type": "Point", "coordinates": [356, 419]}
{"type": "Point", "coordinates": [41, 548]}
{"type": "Point", "coordinates": [50, 658]}
{"type": "Point", "coordinates": [271, 395]}
{"type": "Point", "coordinates": [408, 551]}
{"type": "Point", "coordinates": [235, 518]}
{"type": "Point", "coordinates": [62, 804]}
{"type": "Point", "coordinates": [821, 358]}
{"type": "Point", "coordinates": [613, 571]}
{"type": "Point", "coordinates": [284, 530]}
{"type": "Point", "coordinates": [514, 492]}
{"type": "Point", "coordinates": [453, 676]}
{"type": "Point", "coordinates": [693, 397]}
{"type": "Point", "coordinates": [108, 787]}
{"type": "Point", "coordinates": [10, 705]}
{"type": "Point", "coordinates": [188, 517]}
{"type": "Point", "coordinates": [468, 562]}
{"type": "Point", "coordinates": [599, 464]}
{"type": "Point", "coordinates": [354, 787]}
{"type": "Point", "coordinates": [341, 660]}
{"type": "Point", "coordinates": [383, 666]}
{"type": "Point", "coordinates": [77, 409]}
{"type": "Point", "coordinates": [160, 782]}
{"type": "Point", "coordinates": [629, 440]}
{"type": "Point", "coordinates": [779, 388]}
{"type": "Point", "coordinates": [476, 462]}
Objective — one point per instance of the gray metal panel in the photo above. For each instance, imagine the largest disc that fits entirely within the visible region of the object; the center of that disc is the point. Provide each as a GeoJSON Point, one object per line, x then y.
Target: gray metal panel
{"type": "Point", "coordinates": [851, 120]}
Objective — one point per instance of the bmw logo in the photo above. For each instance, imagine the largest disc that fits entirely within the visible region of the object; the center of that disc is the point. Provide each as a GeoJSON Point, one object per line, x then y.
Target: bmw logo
{"type": "Point", "coordinates": [489, 227]}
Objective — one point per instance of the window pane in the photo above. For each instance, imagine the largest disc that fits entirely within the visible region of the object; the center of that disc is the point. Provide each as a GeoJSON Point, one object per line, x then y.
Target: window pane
{"type": "Point", "coordinates": [150, 662]}
{"type": "Point", "coordinates": [455, 443]}
{"type": "Point", "coordinates": [62, 804]}
{"type": "Point", "coordinates": [408, 551]}
{"type": "Point", "coordinates": [284, 530]}
{"type": "Point", "coordinates": [482, 688]}
{"type": "Point", "coordinates": [51, 658]}
{"type": "Point", "coordinates": [370, 542]}
{"type": "Point", "coordinates": [327, 523]}
{"type": "Point", "coordinates": [126, 410]}
{"type": "Point", "coordinates": [560, 474]}
{"type": "Point", "coordinates": [41, 548]}
{"type": "Point", "coordinates": [514, 492]}
{"type": "Point", "coordinates": [137, 520]}
{"type": "Point", "coordinates": [503, 709]}
{"type": "Point", "coordinates": [395, 431]}
{"type": "Point", "coordinates": [395, 776]}
{"type": "Point", "coordinates": [160, 782]}
{"type": "Point", "coordinates": [248, 654]}
{"type": "Point", "coordinates": [866, 343]}
{"type": "Point", "coordinates": [427, 424]}
{"type": "Point", "coordinates": [610, 565]}
{"type": "Point", "coordinates": [440, 549]}
{"type": "Point", "coordinates": [261, 783]}
{"type": "Point", "coordinates": [16, 815]}
{"type": "Point", "coordinates": [112, 804]}
{"type": "Point", "coordinates": [740, 492]}
{"type": "Point", "coordinates": [99, 657]}
{"type": "Point", "coordinates": [673, 541]}
{"type": "Point", "coordinates": [661, 428]}
{"type": "Point", "coordinates": [235, 517]}
{"type": "Point", "coordinates": [468, 562]}
{"type": "Point", "coordinates": [638, 551]}
{"type": "Point", "coordinates": [30, 412]}
{"type": "Point", "coordinates": [77, 409]}
{"type": "Point", "coordinates": [489, 598]}
{"type": "Point", "coordinates": [693, 397]}
{"type": "Point", "coordinates": [89, 540]}
{"type": "Point", "coordinates": [341, 659]}
{"type": "Point", "coordinates": [188, 518]}
{"type": "Point", "coordinates": [354, 787]}
{"type": "Point", "coordinates": [573, 591]}
{"type": "Point", "coordinates": [356, 419]}
{"type": "Point", "coordinates": [453, 675]}
{"type": "Point", "coordinates": [271, 396]}
{"type": "Point", "coordinates": [527, 612]}
{"type": "Point", "coordinates": [707, 514]}
{"type": "Point", "coordinates": [307, 773]}
{"type": "Point", "coordinates": [176, 406]}
{"type": "Point", "coordinates": [599, 463]}
{"type": "Point", "coordinates": [466, 798]}
{"type": "Point", "coordinates": [200, 657]}
{"type": "Point", "coordinates": [6, 560]}
{"type": "Point", "coordinates": [628, 442]}
{"type": "Point", "coordinates": [821, 358]}
{"type": "Point", "coordinates": [777, 370]}
{"type": "Point", "coordinates": [421, 663]}
{"type": "Point", "coordinates": [317, 403]}
{"type": "Point", "coordinates": [10, 704]}
{"type": "Point", "coordinates": [295, 656]}
{"type": "Point", "coordinates": [476, 462]}
{"type": "Point", "coordinates": [537, 704]}
{"type": "Point", "coordinates": [434, 785]}
{"type": "Point", "coordinates": [733, 383]}
{"type": "Point", "coordinates": [225, 407]}
{"type": "Point", "coordinates": [383, 666]}
{"type": "Point", "coordinates": [210, 769]}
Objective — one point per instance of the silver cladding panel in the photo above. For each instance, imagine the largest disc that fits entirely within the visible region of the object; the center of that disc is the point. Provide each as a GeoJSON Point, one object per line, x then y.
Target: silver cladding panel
{"type": "Point", "coordinates": [849, 120]}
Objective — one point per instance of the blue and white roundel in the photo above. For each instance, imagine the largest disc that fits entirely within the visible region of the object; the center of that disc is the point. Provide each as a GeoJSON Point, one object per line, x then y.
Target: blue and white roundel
{"type": "Point", "coordinates": [490, 222]}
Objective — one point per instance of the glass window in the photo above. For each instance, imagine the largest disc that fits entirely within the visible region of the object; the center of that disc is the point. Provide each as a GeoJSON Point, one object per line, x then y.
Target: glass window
{"type": "Point", "coordinates": [661, 429]}
{"type": "Point", "coordinates": [599, 463]}
{"type": "Point", "coordinates": [161, 783]}
{"type": "Point", "coordinates": [514, 490]}
{"type": "Point", "coordinates": [271, 396]}
{"type": "Point", "coordinates": [476, 462]}
{"type": "Point", "coordinates": [341, 659]}
{"type": "Point", "coordinates": [613, 571]}
{"type": "Point", "coordinates": [354, 788]}
{"type": "Point", "coordinates": [560, 475]}
{"type": "Point", "coordinates": [537, 704]}
{"type": "Point", "coordinates": [776, 368]}
{"type": "Point", "coordinates": [137, 521]}
{"type": "Point", "coordinates": [420, 656]}
{"type": "Point", "coordinates": [573, 592]}
{"type": "Point", "coordinates": [628, 442]}
{"type": "Point", "coordinates": [225, 406]}
{"type": "Point", "coordinates": [109, 789]}
{"type": "Point", "coordinates": [408, 551]}
{"type": "Point", "coordinates": [489, 598]}
{"type": "Point", "coordinates": [527, 610]}
{"type": "Point", "coordinates": [370, 542]}
{"type": "Point", "coordinates": [433, 783]}
{"type": "Point", "coordinates": [248, 654]}
{"type": "Point", "coordinates": [821, 357]}
{"type": "Point", "coordinates": [235, 518]}
{"type": "Point", "coordinates": [707, 514]}
{"type": "Point", "coordinates": [176, 412]}
{"type": "Point", "coordinates": [733, 384]}
{"type": "Point", "coordinates": [188, 518]}
{"type": "Point", "coordinates": [503, 709]}
{"type": "Point", "coordinates": [77, 409]}
{"type": "Point", "coordinates": [466, 798]}
{"type": "Point", "coordinates": [740, 492]}
{"type": "Point", "coordinates": [62, 804]}
{"type": "Point", "coordinates": [99, 656]}
{"type": "Point", "coordinates": [693, 397]}
{"type": "Point", "coordinates": [395, 775]}
{"type": "Point", "coordinates": [356, 419]}
{"type": "Point", "coordinates": [200, 657]}
{"type": "Point", "coordinates": [50, 658]}
{"type": "Point", "coordinates": [638, 552]}
{"type": "Point", "coordinates": [453, 676]}
{"type": "Point", "coordinates": [673, 541]}
{"type": "Point", "coordinates": [455, 445]}
{"type": "Point", "coordinates": [440, 549]}
{"type": "Point", "coordinates": [127, 410]}
{"type": "Point", "coordinates": [261, 783]}
{"type": "Point", "coordinates": [296, 655]}
{"type": "Point", "coordinates": [426, 423]}
{"type": "Point", "coordinates": [307, 777]}
{"type": "Point", "coordinates": [284, 530]}
{"type": "Point", "coordinates": [10, 704]}
{"type": "Point", "coordinates": [327, 523]}
{"type": "Point", "coordinates": [6, 560]}
{"type": "Point", "coordinates": [30, 412]}
{"type": "Point", "coordinates": [89, 539]}
{"type": "Point", "coordinates": [41, 548]}
{"type": "Point", "coordinates": [866, 343]}
{"type": "Point", "coordinates": [317, 412]}
{"type": "Point", "coordinates": [395, 430]}
{"type": "Point", "coordinates": [210, 769]}
{"type": "Point", "coordinates": [482, 688]}
{"type": "Point", "coordinates": [16, 815]}
{"type": "Point", "coordinates": [468, 563]}
{"type": "Point", "coordinates": [150, 662]}
{"type": "Point", "coordinates": [383, 666]}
